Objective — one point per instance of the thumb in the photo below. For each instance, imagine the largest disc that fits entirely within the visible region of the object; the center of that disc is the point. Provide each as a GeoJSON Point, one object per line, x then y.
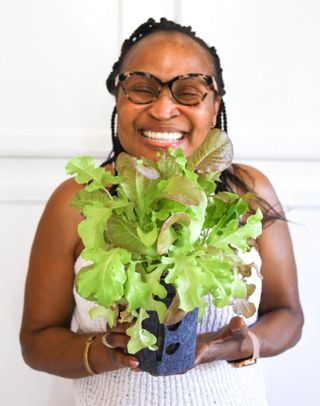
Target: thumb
{"type": "Point", "coordinates": [237, 327]}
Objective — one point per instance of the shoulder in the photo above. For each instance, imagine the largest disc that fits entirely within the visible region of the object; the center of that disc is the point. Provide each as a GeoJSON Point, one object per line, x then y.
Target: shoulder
{"type": "Point", "coordinates": [257, 182]}
{"type": "Point", "coordinates": [59, 221]}
{"type": "Point", "coordinates": [64, 192]}
{"type": "Point", "coordinates": [59, 202]}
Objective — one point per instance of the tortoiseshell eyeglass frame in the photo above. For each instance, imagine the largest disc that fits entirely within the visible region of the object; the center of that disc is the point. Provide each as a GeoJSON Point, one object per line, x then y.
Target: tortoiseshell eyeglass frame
{"type": "Point", "coordinates": [209, 80]}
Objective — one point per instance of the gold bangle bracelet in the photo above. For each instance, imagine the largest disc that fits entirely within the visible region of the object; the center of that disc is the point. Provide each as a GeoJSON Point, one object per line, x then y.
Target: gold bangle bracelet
{"type": "Point", "coordinates": [87, 366]}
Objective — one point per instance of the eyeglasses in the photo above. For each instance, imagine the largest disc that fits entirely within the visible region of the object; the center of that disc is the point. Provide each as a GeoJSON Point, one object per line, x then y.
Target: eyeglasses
{"type": "Point", "coordinates": [144, 88]}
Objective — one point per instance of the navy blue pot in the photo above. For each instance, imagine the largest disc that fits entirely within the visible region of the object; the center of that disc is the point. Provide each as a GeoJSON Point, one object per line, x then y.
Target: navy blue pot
{"type": "Point", "coordinates": [177, 343]}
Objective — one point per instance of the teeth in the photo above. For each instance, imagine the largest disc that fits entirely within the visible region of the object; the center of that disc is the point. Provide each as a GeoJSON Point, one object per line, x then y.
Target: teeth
{"type": "Point", "coordinates": [163, 136]}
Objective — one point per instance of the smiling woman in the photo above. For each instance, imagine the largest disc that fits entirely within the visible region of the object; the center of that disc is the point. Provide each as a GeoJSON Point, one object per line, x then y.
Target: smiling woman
{"type": "Point", "coordinates": [168, 91]}
{"type": "Point", "coordinates": [180, 114]}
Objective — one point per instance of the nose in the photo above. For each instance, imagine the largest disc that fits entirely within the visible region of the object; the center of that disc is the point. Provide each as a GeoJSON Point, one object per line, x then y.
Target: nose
{"type": "Point", "coordinates": [164, 107]}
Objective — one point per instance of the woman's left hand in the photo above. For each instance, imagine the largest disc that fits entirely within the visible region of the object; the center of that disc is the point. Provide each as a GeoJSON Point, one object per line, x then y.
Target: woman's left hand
{"type": "Point", "coordinates": [232, 342]}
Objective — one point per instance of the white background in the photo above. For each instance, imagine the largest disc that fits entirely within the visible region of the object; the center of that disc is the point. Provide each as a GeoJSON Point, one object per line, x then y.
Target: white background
{"type": "Point", "coordinates": [54, 59]}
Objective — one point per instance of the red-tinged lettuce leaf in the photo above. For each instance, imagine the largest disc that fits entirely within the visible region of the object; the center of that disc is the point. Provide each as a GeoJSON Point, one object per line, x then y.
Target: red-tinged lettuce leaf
{"type": "Point", "coordinates": [103, 281]}
{"type": "Point", "coordinates": [91, 230]}
{"type": "Point", "coordinates": [126, 168]}
{"type": "Point", "coordinates": [139, 337]}
{"type": "Point", "coordinates": [174, 314]}
{"type": "Point", "coordinates": [181, 190]}
{"type": "Point", "coordinates": [214, 154]}
{"type": "Point", "coordinates": [83, 198]}
{"type": "Point", "coordinates": [140, 189]}
{"type": "Point", "coordinates": [136, 291]}
{"type": "Point", "coordinates": [166, 237]}
{"type": "Point", "coordinates": [124, 234]}
{"type": "Point", "coordinates": [243, 307]}
{"type": "Point", "coordinates": [167, 166]}
{"type": "Point", "coordinates": [147, 172]}
{"type": "Point", "coordinates": [125, 316]}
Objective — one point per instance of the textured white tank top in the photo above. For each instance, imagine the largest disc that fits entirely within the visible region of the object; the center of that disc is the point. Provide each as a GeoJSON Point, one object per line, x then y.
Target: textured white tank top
{"type": "Point", "coordinates": [215, 383]}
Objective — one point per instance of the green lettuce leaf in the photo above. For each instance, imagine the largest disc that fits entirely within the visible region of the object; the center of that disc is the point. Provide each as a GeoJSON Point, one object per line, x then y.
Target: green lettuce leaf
{"type": "Point", "coordinates": [139, 337]}
{"type": "Point", "coordinates": [110, 315]}
{"type": "Point", "coordinates": [92, 229]}
{"type": "Point", "coordinates": [188, 279]}
{"type": "Point", "coordinates": [86, 171]}
{"type": "Point", "coordinates": [148, 238]}
{"type": "Point", "coordinates": [237, 236]}
{"type": "Point", "coordinates": [156, 289]}
{"type": "Point", "coordinates": [84, 198]}
{"type": "Point", "coordinates": [136, 291]}
{"type": "Point", "coordinates": [103, 281]}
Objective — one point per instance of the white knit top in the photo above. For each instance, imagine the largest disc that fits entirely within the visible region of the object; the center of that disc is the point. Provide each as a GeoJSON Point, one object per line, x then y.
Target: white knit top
{"type": "Point", "coordinates": [216, 383]}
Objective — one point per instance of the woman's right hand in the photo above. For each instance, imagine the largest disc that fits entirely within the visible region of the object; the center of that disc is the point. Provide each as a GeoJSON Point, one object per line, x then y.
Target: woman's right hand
{"type": "Point", "coordinates": [115, 357]}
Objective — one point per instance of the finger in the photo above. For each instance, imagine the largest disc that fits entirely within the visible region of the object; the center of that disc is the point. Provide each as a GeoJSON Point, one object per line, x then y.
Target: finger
{"type": "Point", "coordinates": [117, 340]}
{"type": "Point", "coordinates": [199, 356]}
{"type": "Point", "coordinates": [237, 327]}
{"type": "Point", "coordinates": [136, 370]}
{"type": "Point", "coordinates": [120, 327]}
{"type": "Point", "coordinates": [126, 360]}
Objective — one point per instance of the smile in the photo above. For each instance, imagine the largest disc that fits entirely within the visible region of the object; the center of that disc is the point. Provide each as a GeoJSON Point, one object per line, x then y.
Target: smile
{"type": "Point", "coordinates": [163, 136]}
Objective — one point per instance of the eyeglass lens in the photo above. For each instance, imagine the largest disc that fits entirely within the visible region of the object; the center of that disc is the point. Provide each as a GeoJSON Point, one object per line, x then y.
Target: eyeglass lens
{"type": "Point", "coordinates": [143, 89]}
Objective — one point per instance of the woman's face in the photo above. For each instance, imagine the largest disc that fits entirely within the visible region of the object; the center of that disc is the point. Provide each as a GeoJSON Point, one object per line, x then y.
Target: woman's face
{"type": "Point", "coordinates": [145, 129]}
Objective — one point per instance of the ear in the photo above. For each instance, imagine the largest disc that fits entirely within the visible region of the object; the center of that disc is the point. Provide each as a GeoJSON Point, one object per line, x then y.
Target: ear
{"type": "Point", "coordinates": [216, 106]}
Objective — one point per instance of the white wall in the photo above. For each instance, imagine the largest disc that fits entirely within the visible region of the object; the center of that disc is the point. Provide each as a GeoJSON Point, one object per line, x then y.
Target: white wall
{"type": "Point", "coordinates": [54, 60]}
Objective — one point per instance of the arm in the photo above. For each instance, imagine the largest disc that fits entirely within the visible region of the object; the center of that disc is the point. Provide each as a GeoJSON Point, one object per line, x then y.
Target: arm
{"type": "Point", "coordinates": [280, 318]}
{"type": "Point", "coordinates": [46, 340]}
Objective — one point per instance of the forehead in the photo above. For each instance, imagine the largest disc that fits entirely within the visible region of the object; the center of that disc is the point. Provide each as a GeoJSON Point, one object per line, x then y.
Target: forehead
{"type": "Point", "coordinates": [167, 54]}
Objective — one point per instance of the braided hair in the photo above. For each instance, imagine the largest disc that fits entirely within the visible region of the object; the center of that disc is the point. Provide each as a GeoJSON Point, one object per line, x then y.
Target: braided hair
{"type": "Point", "coordinates": [145, 29]}
{"type": "Point", "coordinates": [229, 180]}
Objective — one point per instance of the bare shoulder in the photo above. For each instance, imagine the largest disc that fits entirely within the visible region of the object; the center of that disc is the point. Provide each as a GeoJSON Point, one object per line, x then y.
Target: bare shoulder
{"type": "Point", "coordinates": [57, 229]}
{"type": "Point", "coordinates": [258, 182]}
{"type": "Point", "coordinates": [59, 206]}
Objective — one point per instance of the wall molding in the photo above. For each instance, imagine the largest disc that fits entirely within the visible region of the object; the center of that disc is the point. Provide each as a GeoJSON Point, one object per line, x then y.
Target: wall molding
{"type": "Point", "coordinates": [31, 181]}
{"type": "Point", "coordinates": [64, 143]}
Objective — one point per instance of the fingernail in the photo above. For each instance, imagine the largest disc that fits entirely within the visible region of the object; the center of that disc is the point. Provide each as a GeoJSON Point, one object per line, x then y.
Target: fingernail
{"type": "Point", "coordinates": [134, 364]}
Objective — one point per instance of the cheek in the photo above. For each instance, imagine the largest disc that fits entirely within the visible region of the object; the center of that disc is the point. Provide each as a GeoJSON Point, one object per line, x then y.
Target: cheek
{"type": "Point", "coordinates": [126, 114]}
{"type": "Point", "coordinates": [203, 119]}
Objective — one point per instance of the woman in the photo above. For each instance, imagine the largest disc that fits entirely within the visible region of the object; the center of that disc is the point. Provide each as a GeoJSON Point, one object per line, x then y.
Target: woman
{"type": "Point", "coordinates": [154, 116]}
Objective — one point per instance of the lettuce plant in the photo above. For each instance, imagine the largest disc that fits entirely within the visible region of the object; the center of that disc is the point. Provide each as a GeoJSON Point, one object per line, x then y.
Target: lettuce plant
{"type": "Point", "coordinates": [165, 221]}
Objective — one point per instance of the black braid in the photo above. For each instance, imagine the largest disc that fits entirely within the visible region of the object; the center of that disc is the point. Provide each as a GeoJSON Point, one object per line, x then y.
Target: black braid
{"type": "Point", "coordinates": [222, 117]}
{"type": "Point", "coordinates": [117, 147]}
